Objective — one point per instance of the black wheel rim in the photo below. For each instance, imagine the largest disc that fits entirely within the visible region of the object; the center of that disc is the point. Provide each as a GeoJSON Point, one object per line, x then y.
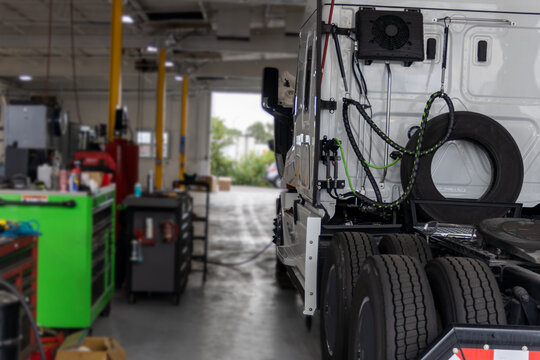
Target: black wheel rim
{"type": "Point", "coordinates": [364, 339]}
{"type": "Point", "coordinates": [330, 310]}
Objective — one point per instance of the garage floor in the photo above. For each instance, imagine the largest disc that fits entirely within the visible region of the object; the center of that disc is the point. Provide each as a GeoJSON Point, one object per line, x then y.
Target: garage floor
{"type": "Point", "coordinates": [239, 313]}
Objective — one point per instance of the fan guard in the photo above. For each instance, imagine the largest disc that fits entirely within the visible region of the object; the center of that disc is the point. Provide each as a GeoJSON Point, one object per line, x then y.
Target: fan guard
{"type": "Point", "coordinates": [390, 32]}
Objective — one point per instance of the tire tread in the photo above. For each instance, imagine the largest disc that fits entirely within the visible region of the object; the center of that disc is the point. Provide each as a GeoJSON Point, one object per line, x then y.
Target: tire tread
{"type": "Point", "coordinates": [406, 244]}
{"type": "Point", "coordinates": [477, 296]}
{"type": "Point", "coordinates": [410, 292]}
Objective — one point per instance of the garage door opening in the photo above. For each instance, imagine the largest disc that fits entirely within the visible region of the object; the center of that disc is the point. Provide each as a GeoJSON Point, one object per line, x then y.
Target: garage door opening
{"type": "Point", "coordinates": [240, 135]}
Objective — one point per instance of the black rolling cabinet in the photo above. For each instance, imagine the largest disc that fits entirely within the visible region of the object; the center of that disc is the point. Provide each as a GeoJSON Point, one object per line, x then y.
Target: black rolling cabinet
{"type": "Point", "coordinates": [161, 244]}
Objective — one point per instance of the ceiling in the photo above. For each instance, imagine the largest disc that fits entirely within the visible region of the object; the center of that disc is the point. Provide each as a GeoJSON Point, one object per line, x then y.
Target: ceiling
{"type": "Point", "coordinates": [212, 41]}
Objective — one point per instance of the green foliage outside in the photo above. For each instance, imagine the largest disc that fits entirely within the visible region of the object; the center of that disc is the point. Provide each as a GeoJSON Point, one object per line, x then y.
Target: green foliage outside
{"type": "Point", "coordinates": [249, 169]}
{"type": "Point", "coordinates": [261, 132]}
{"type": "Point", "coordinates": [222, 136]}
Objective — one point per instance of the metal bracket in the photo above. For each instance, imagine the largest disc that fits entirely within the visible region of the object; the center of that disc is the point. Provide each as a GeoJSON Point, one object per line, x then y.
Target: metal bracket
{"type": "Point", "coordinates": [313, 230]}
{"type": "Point", "coordinates": [327, 29]}
{"type": "Point", "coordinates": [327, 150]}
{"type": "Point", "coordinates": [331, 184]}
{"type": "Point", "coordinates": [330, 105]}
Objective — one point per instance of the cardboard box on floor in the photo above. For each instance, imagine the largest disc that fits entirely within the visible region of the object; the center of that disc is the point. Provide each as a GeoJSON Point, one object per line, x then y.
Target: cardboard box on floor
{"type": "Point", "coordinates": [211, 180]}
{"type": "Point", "coordinates": [224, 183]}
{"type": "Point", "coordinates": [91, 348]}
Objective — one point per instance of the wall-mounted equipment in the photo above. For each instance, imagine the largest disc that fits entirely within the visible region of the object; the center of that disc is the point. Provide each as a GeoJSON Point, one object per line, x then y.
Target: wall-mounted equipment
{"type": "Point", "coordinates": [390, 35]}
{"type": "Point", "coordinates": [31, 126]}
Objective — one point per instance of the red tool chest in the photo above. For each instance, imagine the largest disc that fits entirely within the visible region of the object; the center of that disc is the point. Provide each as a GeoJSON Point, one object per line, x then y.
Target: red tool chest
{"type": "Point", "coordinates": [18, 266]}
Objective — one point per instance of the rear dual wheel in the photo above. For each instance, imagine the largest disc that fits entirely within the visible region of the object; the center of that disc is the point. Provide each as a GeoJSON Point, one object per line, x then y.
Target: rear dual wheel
{"type": "Point", "coordinates": [465, 292]}
{"type": "Point", "coordinates": [406, 244]}
{"type": "Point", "coordinates": [393, 315]}
{"type": "Point", "coordinates": [346, 254]}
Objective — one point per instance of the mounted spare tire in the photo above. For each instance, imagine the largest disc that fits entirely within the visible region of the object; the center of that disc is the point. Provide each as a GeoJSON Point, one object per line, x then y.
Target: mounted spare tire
{"type": "Point", "coordinates": [501, 149]}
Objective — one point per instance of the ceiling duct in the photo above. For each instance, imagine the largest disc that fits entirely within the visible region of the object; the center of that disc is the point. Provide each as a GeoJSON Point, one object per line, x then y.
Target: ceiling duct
{"type": "Point", "coordinates": [175, 16]}
{"type": "Point", "coordinates": [233, 24]}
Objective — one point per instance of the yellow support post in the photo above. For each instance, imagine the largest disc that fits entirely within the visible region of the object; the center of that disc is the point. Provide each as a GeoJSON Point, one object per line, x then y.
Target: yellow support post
{"type": "Point", "coordinates": [183, 120]}
{"type": "Point", "coordinates": [160, 115]}
{"type": "Point", "coordinates": [115, 72]}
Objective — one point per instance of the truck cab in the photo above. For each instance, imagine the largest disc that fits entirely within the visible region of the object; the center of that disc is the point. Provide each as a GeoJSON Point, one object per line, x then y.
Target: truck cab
{"type": "Point", "coordinates": [411, 147]}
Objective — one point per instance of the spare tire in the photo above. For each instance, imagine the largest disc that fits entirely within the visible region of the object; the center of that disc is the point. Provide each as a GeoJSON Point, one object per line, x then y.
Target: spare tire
{"type": "Point", "coordinates": [499, 145]}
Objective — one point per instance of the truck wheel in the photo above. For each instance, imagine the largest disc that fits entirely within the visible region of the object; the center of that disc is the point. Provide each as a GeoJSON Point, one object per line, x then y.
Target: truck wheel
{"type": "Point", "coordinates": [465, 292]}
{"type": "Point", "coordinates": [393, 314]}
{"type": "Point", "coordinates": [406, 244]}
{"type": "Point", "coordinates": [346, 254]}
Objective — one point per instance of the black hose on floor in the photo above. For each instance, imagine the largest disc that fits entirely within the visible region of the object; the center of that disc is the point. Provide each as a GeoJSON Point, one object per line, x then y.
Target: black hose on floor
{"type": "Point", "coordinates": [243, 262]}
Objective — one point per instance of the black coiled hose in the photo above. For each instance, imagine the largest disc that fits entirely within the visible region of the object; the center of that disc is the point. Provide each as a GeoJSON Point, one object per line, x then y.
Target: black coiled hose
{"type": "Point", "coordinates": [379, 204]}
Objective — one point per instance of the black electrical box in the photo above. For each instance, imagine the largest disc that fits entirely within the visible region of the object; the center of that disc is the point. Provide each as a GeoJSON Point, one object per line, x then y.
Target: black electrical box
{"type": "Point", "coordinates": [390, 35]}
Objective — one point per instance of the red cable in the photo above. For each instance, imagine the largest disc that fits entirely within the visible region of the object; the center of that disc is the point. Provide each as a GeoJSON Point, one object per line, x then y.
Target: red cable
{"type": "Point", "coordinates": [326, 39]}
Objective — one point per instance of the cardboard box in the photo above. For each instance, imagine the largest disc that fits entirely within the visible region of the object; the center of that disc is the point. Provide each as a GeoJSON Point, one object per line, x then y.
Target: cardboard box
{"type": "Point", "coordinates": [224, 183]}
{"type": "Point", "coordinates": [92, 176]}
{"type": "Point", "coordinates": [93, 348]}
{"type": "Point", "coordinates": [212, 180]}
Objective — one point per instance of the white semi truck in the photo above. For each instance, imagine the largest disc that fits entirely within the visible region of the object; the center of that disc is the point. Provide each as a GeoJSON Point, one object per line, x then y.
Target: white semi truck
{"type": "Point", "coordinates": [410, 157]}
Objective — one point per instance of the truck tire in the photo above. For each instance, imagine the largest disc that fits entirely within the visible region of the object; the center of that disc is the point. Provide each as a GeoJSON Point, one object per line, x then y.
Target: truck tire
{"type": "Point", "coordinates": [346, 254]}
{"type": "Point", "coordinates": [502, 150]}
{"type": "Point", "coordinates": [406, 244]}
{"type": "Point", "coordinates": [465, 292]}
{"type": "Point", "coordinates": [393, 314]}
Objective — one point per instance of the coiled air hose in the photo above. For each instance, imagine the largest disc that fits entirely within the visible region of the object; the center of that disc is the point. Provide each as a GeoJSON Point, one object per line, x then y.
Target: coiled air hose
{"type": "Point", "coordinates": [417, 153]}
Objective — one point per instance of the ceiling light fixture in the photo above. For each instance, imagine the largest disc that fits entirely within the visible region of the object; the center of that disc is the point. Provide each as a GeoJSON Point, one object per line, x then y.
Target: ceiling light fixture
{"type": "Point", "coordinates": [25, 78]}
{"type": "Point", "coordinates": [178, 78]}
{"type": "Point", "coordinates": [151, 49]}
{"type": "Point", "coordinates": [127, 19]}
{"type": "Point", "coordinates": [169, 64]}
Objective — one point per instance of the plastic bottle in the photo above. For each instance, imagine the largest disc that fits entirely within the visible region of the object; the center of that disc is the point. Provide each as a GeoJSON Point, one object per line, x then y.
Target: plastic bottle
{"type": "Point", "coordinates": [138, 190]}
{"type": "Point", "coordinates": [75, 178]}
{"type": "Point", "coordinates": [63, 180]}
{"type": "Point", "coordinates": [150, 182]}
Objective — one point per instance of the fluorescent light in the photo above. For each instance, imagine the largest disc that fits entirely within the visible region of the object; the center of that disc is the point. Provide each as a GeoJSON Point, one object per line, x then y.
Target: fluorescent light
{"type": "Point", "coordinates": [151, 49]}
{"type": "Point", "coordinates": [169, 64]}
{"type": "Point", "coordinates": [25, 78]}
{"type": "Point", "coordinates": [178, 78]}
{"type": "Point", "coordinates": [127, 19]}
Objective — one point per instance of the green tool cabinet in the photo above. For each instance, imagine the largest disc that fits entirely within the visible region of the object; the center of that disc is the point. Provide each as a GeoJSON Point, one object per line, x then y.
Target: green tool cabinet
{"type": "Point", "coordinates": [75, 254]}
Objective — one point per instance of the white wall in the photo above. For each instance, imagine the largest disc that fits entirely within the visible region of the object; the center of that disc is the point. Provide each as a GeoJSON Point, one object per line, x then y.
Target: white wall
{"type": "Point", "coordinates": [94, 110]}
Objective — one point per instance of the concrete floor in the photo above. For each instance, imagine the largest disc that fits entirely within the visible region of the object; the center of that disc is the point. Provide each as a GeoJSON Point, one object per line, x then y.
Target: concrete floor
{"type": "Point", "coordinates": [239, 313]}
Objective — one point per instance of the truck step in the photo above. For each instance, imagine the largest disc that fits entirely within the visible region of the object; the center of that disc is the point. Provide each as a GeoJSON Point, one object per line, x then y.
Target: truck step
{"type": "Point", "coordinates": [287, 255]}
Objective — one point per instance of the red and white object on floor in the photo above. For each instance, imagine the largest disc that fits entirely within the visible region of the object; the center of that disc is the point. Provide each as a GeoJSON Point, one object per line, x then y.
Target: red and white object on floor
{"type": "Point", "coordinates": [494, 354]}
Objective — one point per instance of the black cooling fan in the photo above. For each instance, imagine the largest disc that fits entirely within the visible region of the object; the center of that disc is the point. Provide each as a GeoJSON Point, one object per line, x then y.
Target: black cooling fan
{"type": "Point", "coordinates": [390, 35]}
